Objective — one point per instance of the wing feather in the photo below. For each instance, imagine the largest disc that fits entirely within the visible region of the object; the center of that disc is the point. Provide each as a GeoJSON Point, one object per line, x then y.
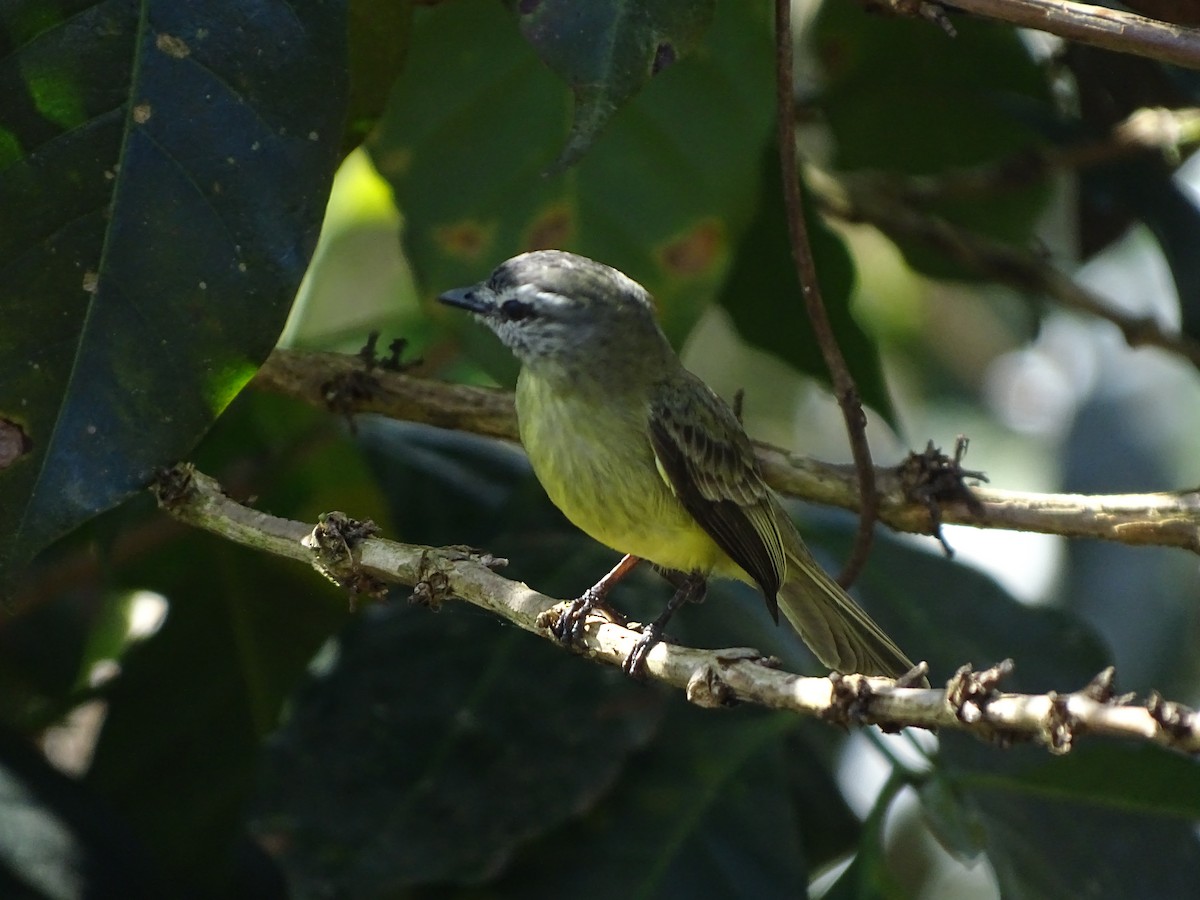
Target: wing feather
{"type": "Point", "coordinates": [709, 464]}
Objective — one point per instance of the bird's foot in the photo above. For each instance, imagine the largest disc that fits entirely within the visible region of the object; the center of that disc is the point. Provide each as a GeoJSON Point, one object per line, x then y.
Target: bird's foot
{"type": "Point", "coordinates": [572, 621]}
{"type": "Point", "coordinates": [690, 587]}
{"type": "Point", "coordinates": [635, 663]}
{"type": "Point", "coordinates": [569, 625]}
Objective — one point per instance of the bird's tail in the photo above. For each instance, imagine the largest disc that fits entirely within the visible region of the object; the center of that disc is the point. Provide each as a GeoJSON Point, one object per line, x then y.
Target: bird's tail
{"type": "Point", "coordinates": [837, 630]}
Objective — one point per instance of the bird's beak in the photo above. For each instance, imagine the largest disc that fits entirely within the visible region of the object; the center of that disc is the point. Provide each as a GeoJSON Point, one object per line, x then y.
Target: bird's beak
{"type": "Point", "coordinates": [473, 298]}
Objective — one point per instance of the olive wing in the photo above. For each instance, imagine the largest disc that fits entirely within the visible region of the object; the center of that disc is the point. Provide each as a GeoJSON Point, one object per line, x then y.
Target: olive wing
{"type": "Point", "coordinates": [708, 462]}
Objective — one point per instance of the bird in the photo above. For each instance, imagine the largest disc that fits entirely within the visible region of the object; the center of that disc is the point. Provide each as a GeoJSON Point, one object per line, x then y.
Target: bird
{"type": "Point", "coordinates": [640, 454]}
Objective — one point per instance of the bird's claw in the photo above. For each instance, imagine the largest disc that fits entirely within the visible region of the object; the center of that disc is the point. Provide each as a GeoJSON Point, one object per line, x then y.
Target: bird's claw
{"type": "Point", "coordinates": [571, 622]}
{"type": "Point", "coordinates": [635, 663]}
{"type": "Point", "coordinates": [690, 587]}
{"type": "Point", "coordinates": [569, 627]}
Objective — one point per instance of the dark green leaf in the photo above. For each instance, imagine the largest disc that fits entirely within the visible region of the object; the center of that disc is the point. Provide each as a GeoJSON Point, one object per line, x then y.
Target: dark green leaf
{"type": "Point", "coordinates": [446, 487]}
{"type": "Point", "coordinates": [868, 877]}
{"type": "Point", "coordinates": [1151, 780]}
{"type": "Point", "coordinates": [700, 814]}
{"type": "Point", "coordinates": [952, 822]}
{"type": "Point", "coordinates": [436, 746]}
{"type": "Point", "coordinates": [180, 746]}
{"type": "Point", "coordinates": [608, 50]}
{"type": "Point", "coordinates": [379, 36]}
{"type": "Point", "coordinates": [1147, 189]}
{"type": "Point", "coordinates": [163, 172]}
{"type": "Point", "coordinates": [1108, 821]}
{"type": "Point", "coordinates": [454, 718]}
{"type": "Point", "coordinates": [763, 298]}
{"type": "Point", "coordinates": [903, 98]}
{"type": "Point", "coordinates": [950, 614]}
{"type": "Point", "coordinates": [829, 828]}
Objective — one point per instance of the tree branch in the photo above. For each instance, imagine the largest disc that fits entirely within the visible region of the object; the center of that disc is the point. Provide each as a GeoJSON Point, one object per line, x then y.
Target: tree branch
{"type": "Point", "coordinates": [1148, 131]}
{"type": "Point", "coordinates": [971, 701]}
{"type": "Point", "coordinates": [340, 382]}
{"type": "Point", "coordinates": [1098, 26]}
{"type": "Point", "coordinates": [994, 259]}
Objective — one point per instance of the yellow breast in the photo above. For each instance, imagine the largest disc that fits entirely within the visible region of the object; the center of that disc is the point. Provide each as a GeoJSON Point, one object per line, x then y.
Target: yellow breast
{"type": "Point", "coordinates": [593, 457]}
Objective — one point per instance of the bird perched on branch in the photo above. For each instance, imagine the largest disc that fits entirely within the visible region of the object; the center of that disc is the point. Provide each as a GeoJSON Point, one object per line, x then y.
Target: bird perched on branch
{"type": "Point", "coordinates": [641, 454]}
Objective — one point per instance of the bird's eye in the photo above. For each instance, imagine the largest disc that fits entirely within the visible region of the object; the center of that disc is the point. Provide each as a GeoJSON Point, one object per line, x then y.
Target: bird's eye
{"type": "Point", "coordinates": [516, 310]}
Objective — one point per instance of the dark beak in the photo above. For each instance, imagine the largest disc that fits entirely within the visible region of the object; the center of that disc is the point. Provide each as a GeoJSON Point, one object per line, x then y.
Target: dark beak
{"type": "Point", "coordinates": [469, 298]}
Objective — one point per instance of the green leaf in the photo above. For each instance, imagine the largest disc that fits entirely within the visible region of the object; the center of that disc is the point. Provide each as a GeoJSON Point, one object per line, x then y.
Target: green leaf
{"type": "Point", "coordinates": [179, 747]}
{"type": "Point", "coordinates": [868, 877]}
{"type": "Point", "coordinates": [163, 172]}
{"type": "Point", "coordinates": [607, 51]}
{"type": "Point", "coordinates": [437, 745]}
{"type": "Point", "coordinates": [476, 119]}
{"type": "Point", "coordinates": [193, 703]}
{"type": "Point", "coordinates": [949, 614]}
{"type": "Point", "coordinates": [1148, 190]}
{"type": "Point", "coordinates": [1152, 780]}
{"type": "Point", "coordinates": [829, 829]}
{"type": "Point", "coordinates": [699, 814]}
{"type": "Point", "coordinates": [1109, 820]}
{"type": "Point", "coordinates": [763, 297]}
{"type": "Point", "coordinates": [449, 717]}
{"type": "Point", "coordinates": [901, 97]}
{"type": "Point", "coordinates": [379, 34]}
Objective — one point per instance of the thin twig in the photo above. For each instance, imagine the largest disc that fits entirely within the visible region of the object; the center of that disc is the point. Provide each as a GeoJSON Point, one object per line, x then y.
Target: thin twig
{"type": "Point", "coordinates": [844, 388]}
{"type": "Point", "coordinates": [971, 701]}
{"type": "Point", "coordinates": [1170, 519]}
{"type": "Point", "coordinates": [994, 259]}
{"type": "Point", "coordinates": [1150, 130]}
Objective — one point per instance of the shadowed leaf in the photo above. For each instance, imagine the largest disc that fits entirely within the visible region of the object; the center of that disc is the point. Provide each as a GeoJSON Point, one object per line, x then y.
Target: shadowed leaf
{"type": "Point", "coordinates": [163, 172]}
{"type": "Point", "coordinates": [763, 296]}
{"type": "Point", "coordinates": [607, 51]}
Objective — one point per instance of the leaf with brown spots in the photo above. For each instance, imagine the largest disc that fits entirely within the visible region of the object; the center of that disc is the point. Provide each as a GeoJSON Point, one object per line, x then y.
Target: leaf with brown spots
{"type": "Point", "coordinates": [476, 120]}
{"type": "Point", "coordinates": [697, 252]}
{"type": "Point", "coordinates": [465, 240]}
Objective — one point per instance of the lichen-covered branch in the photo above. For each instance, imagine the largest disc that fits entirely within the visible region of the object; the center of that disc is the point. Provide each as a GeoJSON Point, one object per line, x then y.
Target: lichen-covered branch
{"type": "Point", "coordinates": [343, 551]}
{"type": "Point", "coordinates": [341, 383]}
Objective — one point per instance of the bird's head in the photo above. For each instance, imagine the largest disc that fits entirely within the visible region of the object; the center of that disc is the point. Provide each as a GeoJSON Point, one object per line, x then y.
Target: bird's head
{"type": "Point", "coordinates": [559, 311]}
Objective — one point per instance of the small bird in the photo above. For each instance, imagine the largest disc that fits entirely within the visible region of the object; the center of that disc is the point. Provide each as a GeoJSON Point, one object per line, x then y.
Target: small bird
{"type": "Point", "coordinates": [644, 457]}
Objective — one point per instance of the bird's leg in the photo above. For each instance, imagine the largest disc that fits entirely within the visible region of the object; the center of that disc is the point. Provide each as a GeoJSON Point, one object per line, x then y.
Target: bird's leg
{"type": "Point", "coordinates": [569, 627]}
{"type": "Point", "coordinates": [690, 587]}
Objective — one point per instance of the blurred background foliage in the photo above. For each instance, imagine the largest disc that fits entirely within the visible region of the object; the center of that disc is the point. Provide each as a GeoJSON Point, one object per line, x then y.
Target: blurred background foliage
{"type": "Point", "coordinates": [181, 717]}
